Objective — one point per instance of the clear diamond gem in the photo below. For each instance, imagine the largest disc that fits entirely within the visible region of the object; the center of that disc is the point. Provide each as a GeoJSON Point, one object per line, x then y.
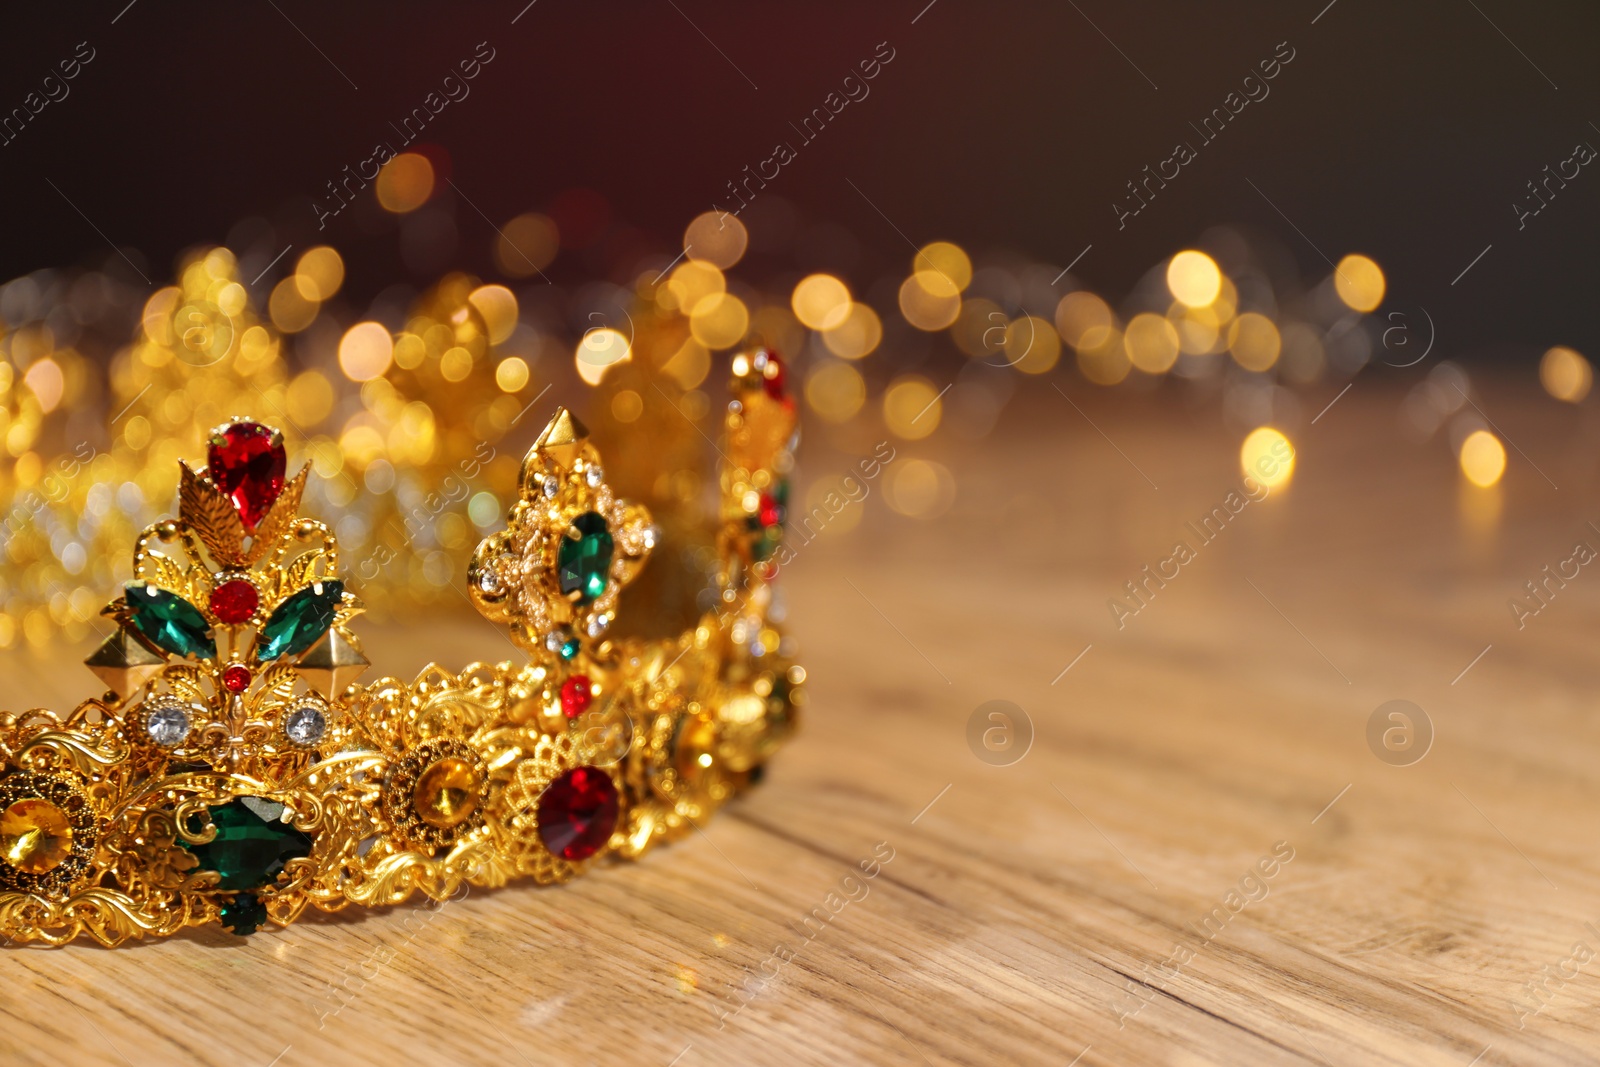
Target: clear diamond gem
{"type": "Point", "coordinates": [167, 724]}
{"type": "Point", "coordinates": [552, 485]}
{"type": "Point", "coordinates": [554, 640]}
{"type": "Point", "coordinates": [490, 583]}
{"type": "Point", "coordinates": [594, 475]}
{"type": "Point", "coordinates": [305, 724]}
{"type": "Point", "coordinates": [598, 625]}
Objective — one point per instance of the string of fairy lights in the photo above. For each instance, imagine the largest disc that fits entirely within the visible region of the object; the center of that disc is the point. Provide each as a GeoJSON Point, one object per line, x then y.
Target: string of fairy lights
{"type": "Point", "coordinates": [402, 406]}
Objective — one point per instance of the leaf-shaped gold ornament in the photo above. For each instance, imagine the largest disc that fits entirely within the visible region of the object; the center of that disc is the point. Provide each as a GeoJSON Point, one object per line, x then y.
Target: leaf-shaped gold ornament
{"type": "Point", "coordinates": [279, 518]}
{"type": "Point", "coordinates": [203, 508]}
{"type": "Point", "coordinates": [166, 573]}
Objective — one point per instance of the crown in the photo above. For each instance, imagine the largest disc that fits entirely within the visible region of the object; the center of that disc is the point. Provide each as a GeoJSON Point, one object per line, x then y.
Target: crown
{"type": "Point", "coordinates": [238, 771]}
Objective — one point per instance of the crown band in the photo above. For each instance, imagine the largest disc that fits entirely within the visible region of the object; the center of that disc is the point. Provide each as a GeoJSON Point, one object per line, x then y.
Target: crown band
{"type": "Point", "coordinates": [238, 773]}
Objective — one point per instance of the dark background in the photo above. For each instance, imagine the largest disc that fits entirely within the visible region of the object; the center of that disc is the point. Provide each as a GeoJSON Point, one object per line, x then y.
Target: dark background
{"type": "Point", "coordinates": [1403, 131]}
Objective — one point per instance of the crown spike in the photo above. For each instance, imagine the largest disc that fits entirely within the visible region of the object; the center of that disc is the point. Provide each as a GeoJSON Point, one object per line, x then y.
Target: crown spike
{"type": "Point", "coordinates": [334, 662]}
{"type": "Point", "coordinates": [124, 664]}
{"type": "Point", "coordinates": [562, 440]}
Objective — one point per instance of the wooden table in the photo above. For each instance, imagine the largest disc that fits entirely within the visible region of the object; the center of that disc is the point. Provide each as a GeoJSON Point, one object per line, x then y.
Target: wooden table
{"type": "Point", "coordinates": [1073, 906]}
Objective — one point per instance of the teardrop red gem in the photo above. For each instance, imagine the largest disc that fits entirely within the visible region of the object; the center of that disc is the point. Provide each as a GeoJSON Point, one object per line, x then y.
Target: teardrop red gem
{"type": "Point", "coordinates": [246, 461]}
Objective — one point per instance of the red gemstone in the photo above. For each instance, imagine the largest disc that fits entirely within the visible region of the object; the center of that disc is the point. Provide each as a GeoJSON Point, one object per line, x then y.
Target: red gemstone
{"type": "Point", "coordinates": [234, 602]}
{"type": "Point", "coordinates": [236, 679]}
{"type": "Point", "coordinates": [770, 512]}
{"type": "Point", "coordinates": [773, 376]}
{"type": "Point", "coordinates": [577, 813]}
{"type": "Point", "coordinates": [246, 461]}
{"type": "Point", "coordinates": [577, 693]}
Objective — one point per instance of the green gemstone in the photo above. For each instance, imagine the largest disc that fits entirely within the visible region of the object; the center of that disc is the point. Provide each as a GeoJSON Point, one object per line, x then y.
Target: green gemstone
{"type": "Point", "coordinates": [244, 914]}
{"type": "Point", "coordinates": [583, 564]}
{"type": "Point", "coordinates": [569, 648]}
{"type": "Point", "coordinates": [766, 540]}
{"type": "Point", "coordinates": [252, 844]}
{"type": "Point", "coordinates": [168, 620]}
{"type": "Point", "coordinates": [300, 621]}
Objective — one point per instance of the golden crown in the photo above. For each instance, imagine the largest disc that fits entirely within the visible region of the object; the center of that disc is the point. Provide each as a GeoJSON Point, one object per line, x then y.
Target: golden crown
{"type": "Point", "coordinates": [238, 773]}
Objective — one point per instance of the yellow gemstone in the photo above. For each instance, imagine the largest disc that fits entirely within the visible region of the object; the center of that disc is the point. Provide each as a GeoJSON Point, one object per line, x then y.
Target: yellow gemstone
{"type": "Point", "coordinates": [35, 836]}
{"type": "Point", "coordinates": [447, 793]}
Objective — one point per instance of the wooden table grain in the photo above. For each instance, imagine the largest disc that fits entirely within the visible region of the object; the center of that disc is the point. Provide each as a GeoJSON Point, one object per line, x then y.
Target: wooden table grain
{"type": "Point", "coordinates": [1197, 857]}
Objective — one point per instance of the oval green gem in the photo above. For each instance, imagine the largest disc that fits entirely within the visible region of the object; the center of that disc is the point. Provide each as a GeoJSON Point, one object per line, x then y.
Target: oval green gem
{"type": "Point", "coordinates": [172, 623]}
{"type": "Point", "coordinates": [299, 622]}
{"type": "Point", "coordinates": [252, 843]}
{"type": "Point", "coordinates": [583, 563]}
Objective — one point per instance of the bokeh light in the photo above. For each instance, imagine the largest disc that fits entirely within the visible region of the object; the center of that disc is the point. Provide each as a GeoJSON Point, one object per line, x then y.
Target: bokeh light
{"type": "Point", "coordinates": [511, 374]}
{"type": "Point", "coordinates": [1359, 282]}
{"type": "Point", "coordinates": [857, 336]}
{"type": "Point", "coordinates": [821, 301]}
{"type": "Point", "coordinates": [405, 183]}
{"type": "Point", "coordinates": [45, 381]}
{"type": "Point", "coordinates": [365, 351]}
{"type": "Point", "coordinates": [498, 307]}
{"type": "Point", "coordinates": [719, 321]}
{"type": "Point", "coordinates": [1565, 374]}
{"type": "Point", "coordinates": [310, 398]}
{"type": "Point", "coordinates": [689, 365]}
{"type": "Point", "coordinates": [716, 237]}
{"type": "Point", "coordinates": [1105, 363]}
{"type": "Point", "coordinates": [926, 309]}
{"type": "Point", "coordinates": [1084, 320]}
{"type": "Point", "coordinates": [1032, 345]}
{"type": "Point", "coordinates": [1267, 456]}
{"type": "Point", "coordinates": [526, 245]}
{"type": "Point", "coordinates": [920, 488]}
{"type": "Point", "coordinates": [1483, 458]}
{"type": "Point", "coordinates": [942, 268]}
{"type": "Point", "coordinates": [912, 407]}
{"type": "Point", "coordinates": [835, 390]}
{"type": "Point", "coordinates": [1152, 343]}
{"type": "Point", "coordinates": [1226, 305]}
{"type": "Point", "coordinates": [455, 364]}
{"type": "Point", "coordinates": [1253, 339]}
{"type": "Point", "coordinates": [290, 311]}
{"type": "Point", "coordinates": [318, 274]}
{"type": "Point", "coordinates": [627, 406]}
{"type": "Point", "coordinates": [689, 283]}
{"type": "Point", "coordinates": [599, 349]}
{"type": "Point", "coordinates": [1199, 329]}
{"type": "Point", "coordinates": [1194, 278]}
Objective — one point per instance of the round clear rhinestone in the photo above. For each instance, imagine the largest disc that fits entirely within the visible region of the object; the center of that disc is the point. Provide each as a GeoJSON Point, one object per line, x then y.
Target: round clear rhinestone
{"type": "Point", "coordinates": [305, 724]}
{"type": "Point", "coordinates": [598, 625]}
{"type": "Point", "coordinates": [489, 581]}
{"type": "Point", "coordinates": [594, 475]}
{"type": "Point", "coordinates": [552, 485]}
{"type": "Point", "coordinates": [554, 640]}
{"type": "Point", "coordinates": [168, 724]}
{"type": "Point", "coordinates": [649, 536]}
